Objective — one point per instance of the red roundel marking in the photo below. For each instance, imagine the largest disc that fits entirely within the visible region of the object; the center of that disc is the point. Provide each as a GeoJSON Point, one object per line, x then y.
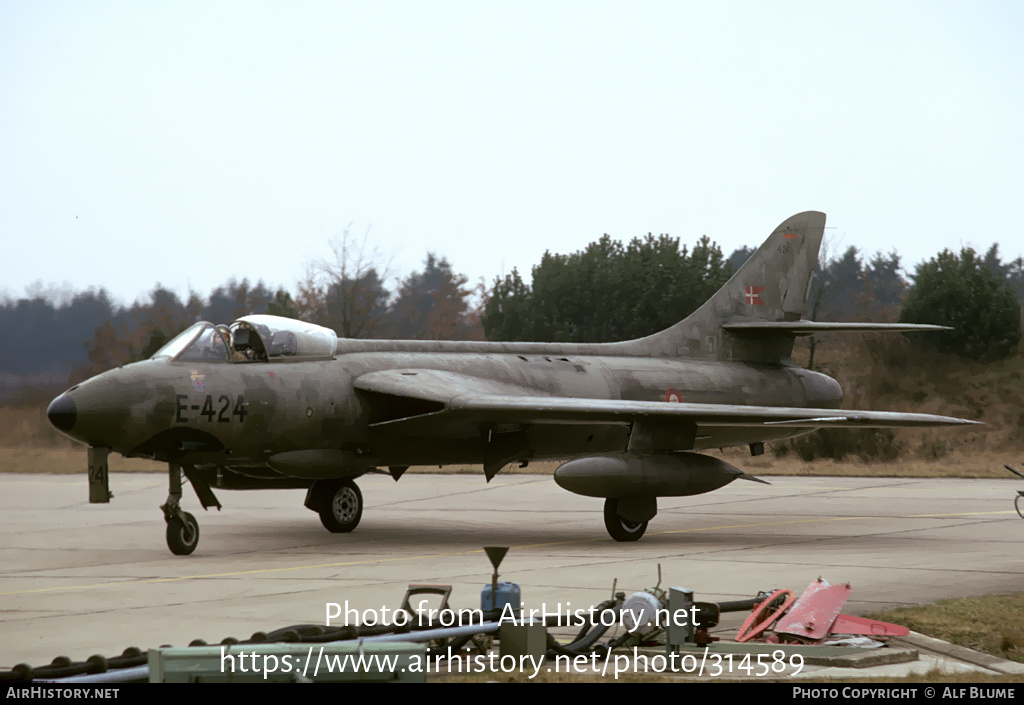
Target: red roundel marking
{"type": "Point", "coordinates": [673, 395]}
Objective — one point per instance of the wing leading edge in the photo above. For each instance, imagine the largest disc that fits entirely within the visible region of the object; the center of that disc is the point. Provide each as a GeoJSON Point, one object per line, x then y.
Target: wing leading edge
{"type": "Point", "coordinates": [473, 399]}
{"type": "Point", "coordinates": [507, 409]}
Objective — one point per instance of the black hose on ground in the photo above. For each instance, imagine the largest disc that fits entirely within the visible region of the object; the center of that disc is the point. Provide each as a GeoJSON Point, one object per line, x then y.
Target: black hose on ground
{"type": "Point", "coordinates": [590, 624]}
{"type": "Point", "coordinates": [587, 638]}
{"type": "Point", "coordinates": [454, 646]}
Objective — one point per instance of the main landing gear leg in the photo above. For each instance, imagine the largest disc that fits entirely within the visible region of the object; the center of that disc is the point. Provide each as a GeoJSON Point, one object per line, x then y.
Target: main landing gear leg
{"type": "Point", "coordinates": [182, 527]}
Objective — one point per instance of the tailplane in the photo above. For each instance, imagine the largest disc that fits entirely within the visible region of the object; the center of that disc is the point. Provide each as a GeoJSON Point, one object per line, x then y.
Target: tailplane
{"type": "Point", "coordinates": [759, 312]}
{"type": "Point", "coordinates": [770, 288]}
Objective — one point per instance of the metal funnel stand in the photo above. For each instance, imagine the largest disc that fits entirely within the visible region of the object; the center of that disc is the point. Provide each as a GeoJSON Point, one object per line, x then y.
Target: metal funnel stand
{"type": "Point", "coordinates": [496, 554]}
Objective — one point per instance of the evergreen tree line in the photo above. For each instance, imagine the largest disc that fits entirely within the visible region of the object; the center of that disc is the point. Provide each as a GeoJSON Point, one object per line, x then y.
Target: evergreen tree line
{"type": "Point", "coordinates": [613, 291]}
{"type": "Point", "coordinates": [50, 334]}
{"type": "Point", "coordinates": [979, 296]}
{"type": "Point", "coordinates": [608, 291]}
{"type": "Point", "coordinates": [61, 337]}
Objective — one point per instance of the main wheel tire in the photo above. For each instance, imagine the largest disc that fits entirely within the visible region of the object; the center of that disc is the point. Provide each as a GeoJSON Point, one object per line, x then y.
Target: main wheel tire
{"type": "Point", "coordinates": [619, 528]}
{"type": "Point", "coordinates": [182, 537]}
{"type": "Point", "coordinates": [342, 507]}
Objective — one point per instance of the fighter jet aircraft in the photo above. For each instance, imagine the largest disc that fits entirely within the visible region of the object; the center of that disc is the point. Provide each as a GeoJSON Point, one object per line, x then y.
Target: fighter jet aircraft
{"type": "Point", "coordinates": [268, 402]}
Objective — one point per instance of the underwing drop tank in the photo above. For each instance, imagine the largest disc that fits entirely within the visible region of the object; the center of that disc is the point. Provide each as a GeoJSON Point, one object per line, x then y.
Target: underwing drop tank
{"type": "Point", "coordinates": [661, 475]}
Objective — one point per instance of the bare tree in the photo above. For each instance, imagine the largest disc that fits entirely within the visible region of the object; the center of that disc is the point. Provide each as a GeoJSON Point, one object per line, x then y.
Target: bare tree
{"type": "Point", "coordinates": [346, 292]}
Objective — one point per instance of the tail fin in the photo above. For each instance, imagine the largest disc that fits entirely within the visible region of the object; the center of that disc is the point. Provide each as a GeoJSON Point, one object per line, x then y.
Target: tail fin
{"type": "Point", "coordinates": [771, 286]}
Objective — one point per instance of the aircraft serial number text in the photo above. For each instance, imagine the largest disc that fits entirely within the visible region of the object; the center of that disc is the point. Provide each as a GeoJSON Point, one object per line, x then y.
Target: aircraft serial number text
{"type": "Point", "coordinates": [223, 411]}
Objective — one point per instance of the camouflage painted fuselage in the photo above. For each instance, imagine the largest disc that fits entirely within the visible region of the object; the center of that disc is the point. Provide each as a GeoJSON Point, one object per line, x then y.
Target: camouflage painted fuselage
{"type": "Point", "coordinates": [241, 413]}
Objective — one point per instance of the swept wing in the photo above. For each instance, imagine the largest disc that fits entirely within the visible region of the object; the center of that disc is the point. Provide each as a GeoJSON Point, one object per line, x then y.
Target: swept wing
{"type": "Point", "coordinates": [463, 398]}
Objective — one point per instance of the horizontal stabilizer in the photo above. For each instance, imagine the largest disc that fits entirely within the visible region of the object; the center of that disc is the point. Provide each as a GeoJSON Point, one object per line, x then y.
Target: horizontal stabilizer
{"type": "Point", "coordinates": [769, 328]}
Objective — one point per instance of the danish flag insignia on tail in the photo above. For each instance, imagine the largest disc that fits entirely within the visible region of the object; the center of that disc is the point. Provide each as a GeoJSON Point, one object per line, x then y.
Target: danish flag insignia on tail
{"type": "Point", "coordinates": [750, 294]}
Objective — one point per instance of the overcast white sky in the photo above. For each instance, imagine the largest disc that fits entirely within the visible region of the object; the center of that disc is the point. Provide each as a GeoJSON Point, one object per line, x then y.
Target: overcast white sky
{"type": "Point", "coordinates": [186, 143]}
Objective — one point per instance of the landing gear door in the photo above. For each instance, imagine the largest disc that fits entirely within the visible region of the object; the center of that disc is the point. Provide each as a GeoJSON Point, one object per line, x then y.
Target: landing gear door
{"type": "Point", "coordinates": [99, 476]}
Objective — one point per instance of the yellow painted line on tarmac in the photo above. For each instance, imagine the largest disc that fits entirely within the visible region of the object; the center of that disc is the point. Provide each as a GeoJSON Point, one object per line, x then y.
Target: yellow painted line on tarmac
{"type": "Point", "coordinates": [264, 571]}
{"type": "Point", "coordinates": [827, 519]}
{"type": "Point", "coordinates": [960, 514]}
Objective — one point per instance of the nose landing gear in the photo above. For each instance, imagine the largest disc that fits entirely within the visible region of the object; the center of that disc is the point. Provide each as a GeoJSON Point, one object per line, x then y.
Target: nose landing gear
{"type": "Point", "coordinates": [182, 527]}
{"type": "Point", "coordinates": [182, 534]}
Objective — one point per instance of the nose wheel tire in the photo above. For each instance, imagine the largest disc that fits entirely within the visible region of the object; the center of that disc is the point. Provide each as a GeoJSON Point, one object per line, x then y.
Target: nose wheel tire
{"type": "Point", "coordinates": [619, 528]}
{"type": "Point", "coordinates": [342, 507]}
{"type": "Point", "coordinates": [182, 536]}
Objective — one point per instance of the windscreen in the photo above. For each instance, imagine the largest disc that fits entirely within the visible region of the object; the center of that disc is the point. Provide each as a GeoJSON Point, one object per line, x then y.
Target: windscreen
{"type": "Point", "coordinates": [179, 342]}
{"type": "Point", "coordinates": [209, 346]}
{"type": "Point", "coordinates": [200, 342]}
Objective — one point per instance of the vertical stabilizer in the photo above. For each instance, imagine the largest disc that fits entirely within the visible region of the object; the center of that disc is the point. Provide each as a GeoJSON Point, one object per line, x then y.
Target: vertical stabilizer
{"type": "Point", "coordinates": [771, 286]}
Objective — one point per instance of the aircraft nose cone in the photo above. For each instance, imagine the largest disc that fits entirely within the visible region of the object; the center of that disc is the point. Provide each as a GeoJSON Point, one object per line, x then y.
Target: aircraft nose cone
{"type": "Point", "coordinates": [62, 413]}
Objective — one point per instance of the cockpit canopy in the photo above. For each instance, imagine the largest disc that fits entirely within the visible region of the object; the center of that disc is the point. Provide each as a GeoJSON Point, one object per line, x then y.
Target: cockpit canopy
{"type": "Point", "coordinates": [255, 338]}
